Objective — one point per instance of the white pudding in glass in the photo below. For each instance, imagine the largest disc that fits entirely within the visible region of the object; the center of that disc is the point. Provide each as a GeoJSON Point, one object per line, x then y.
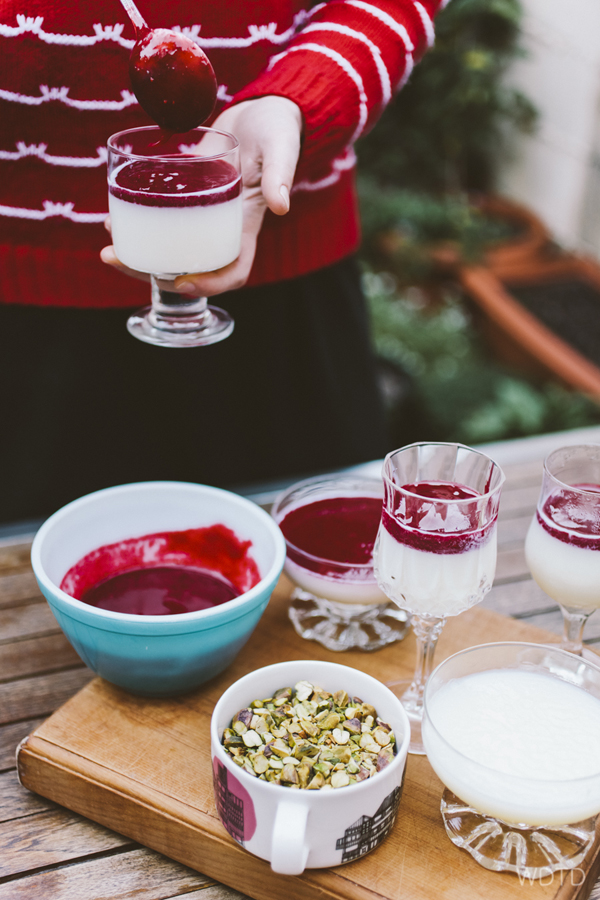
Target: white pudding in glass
{"type": "Point", "coordinates": [168, 217]}
{"type": "Point", "coordinates": [433, 557]}
{"type": "Point", "coordinates": [352, 587]}
{"type": "Point", "coordinates": [435, 584]}
{"type": "Point", "coordinates": [518, 745]}
{"type": "Point", "coordinates": [330, 546]}
{"type": "Point", "coordinates": [563, 547]}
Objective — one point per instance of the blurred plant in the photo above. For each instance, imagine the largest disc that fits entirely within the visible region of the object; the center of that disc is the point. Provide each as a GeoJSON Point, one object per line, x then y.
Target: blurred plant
{"type": "Point", "coordinates": [414, 232]}
{"type": "Point", "coordinates": [441, 139]}
{"type": "Point", "coordinates": [447, 129]}
{"type": "Point", "coordinates": [458, 393]}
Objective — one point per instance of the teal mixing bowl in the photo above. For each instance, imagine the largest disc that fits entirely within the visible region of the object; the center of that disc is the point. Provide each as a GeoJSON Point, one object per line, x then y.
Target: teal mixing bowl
{"type": "Point", "coordinates": [156, 656]}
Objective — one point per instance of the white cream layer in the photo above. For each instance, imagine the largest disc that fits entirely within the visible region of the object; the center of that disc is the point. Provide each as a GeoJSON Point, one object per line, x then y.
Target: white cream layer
{"type": "Point", "coordinates": [176, 239]}
{"type": "Point", "coordinates": [568, 574]}
{"type": "Point", "coordinates": [351, 588]}
{"type": "Point", "coordinates": [434, 584]}
{"type": "Point", "coordinates": [528, 746]}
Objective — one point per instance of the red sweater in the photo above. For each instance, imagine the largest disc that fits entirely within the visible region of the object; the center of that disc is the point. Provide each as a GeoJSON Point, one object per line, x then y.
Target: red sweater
{"type": "Point", "coordinates": [64, 89]}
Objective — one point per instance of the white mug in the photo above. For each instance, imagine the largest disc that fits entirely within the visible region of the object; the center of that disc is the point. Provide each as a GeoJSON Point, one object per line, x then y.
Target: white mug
{"type": "Point", "coordinates": [298, 829]}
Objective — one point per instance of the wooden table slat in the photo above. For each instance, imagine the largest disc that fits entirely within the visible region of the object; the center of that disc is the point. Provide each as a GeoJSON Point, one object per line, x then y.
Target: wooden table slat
{"type": "Point", "coordinates": [11, 736]}
{"type": "Point", "coordinates": [14, 554]}
{"type": "Point", "coordinates": [134, 875]}
{"type": "Point", "coordinates": [51, 837]}
{"type": "Point", "coordinates": [26, 621]}
{"type": "Point", "coordinates": [15, 802]}
{"type": "Point", "coordinates": [39, 696]}
{"type": "Point", "coordinates": [48, 653]}
{"type": "Point", "coordinates": [18, 588]}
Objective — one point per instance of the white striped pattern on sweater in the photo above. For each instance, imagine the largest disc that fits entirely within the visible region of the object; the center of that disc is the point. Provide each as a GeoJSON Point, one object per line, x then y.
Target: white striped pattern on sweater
{"type": "Point", "coordinates": [388, 20]}
{"type": "Point", "coordinates": [384, 77]}
{"type": "Point", "coordinates": [427, 23]}
{"type": "Point", "coordinates": [256, 33]}
{"type": "Point", "coordinates": [343, 63]}
{"type": "Point", "coordinates": [61, 94]}
{"type": "Point", "coordinates": [65, 210]}
{"type": "Point", "coordinates": [342, 164]}
{"type": "Point", "coordinates": [39, 150]}
{"type": "Point", "coordinates": [398, 29]}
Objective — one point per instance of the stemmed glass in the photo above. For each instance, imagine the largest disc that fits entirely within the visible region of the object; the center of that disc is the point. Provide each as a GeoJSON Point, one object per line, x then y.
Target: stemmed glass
{"type": "Point", "coordinates": [175, 204]}
{"type": "Point", "coordinates": [512, 730]}
{"type": "Point", "coordinates": [563, 542]}
{"type": "Point", "coordinates": [330, 524]}
{"type": "Point", "coordinates": [435, 554]}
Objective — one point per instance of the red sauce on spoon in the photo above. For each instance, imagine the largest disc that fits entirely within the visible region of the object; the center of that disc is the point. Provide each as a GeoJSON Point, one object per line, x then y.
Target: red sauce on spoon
{"type": "Point", "coordinates": [172, 79]}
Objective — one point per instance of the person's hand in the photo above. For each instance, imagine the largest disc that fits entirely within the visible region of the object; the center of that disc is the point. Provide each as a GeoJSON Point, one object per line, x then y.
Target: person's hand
{"type": "Point", "coordinates": [269, 131]}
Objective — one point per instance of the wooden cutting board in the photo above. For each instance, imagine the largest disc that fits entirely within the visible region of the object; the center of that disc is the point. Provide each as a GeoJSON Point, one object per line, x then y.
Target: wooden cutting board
{"type": "Point", "coordinates": [142, 768]}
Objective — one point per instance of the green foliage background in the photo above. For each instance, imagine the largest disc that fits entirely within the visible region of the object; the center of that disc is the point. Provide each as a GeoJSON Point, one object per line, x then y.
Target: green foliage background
{"type": "Point", "coordinates": [446, 130]}
{"type": "Point", "coordinates": [439, 143]}
{"type": "Point", "coordinates": [458, 393]}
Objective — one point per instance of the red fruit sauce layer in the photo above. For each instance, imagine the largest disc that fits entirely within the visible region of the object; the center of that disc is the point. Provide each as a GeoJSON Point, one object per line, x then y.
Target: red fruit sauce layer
{"type": "Point", "coordinates": [160, 591]}
{"type": "Point", "coordinates": [437, 527]}
{"type": "Point", "coordinates": [177, 182]}
{"type": "Point", "coordinates": [336, 529]}
{"type": "Point", "coordinates": [573, 518]}
{"type": "Point", "coordinates": [213, 554]}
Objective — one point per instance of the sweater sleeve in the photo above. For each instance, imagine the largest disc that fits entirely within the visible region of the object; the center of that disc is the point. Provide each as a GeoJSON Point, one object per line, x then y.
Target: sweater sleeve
{"type": "Point", "coordinates": [341, 69]}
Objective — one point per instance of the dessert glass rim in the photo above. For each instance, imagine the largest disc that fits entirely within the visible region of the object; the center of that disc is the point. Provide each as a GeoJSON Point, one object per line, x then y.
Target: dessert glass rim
{"type": "Point", "coordinates": [111, 144]}
{"type": "Point", "coordinates": [333, 478]}
{"type": "Point", "coordinates": [477, 499]}
{"type": "Point", "coordinates": [524, 644]}
{"type": "Point", "coordinates": [559, 481]}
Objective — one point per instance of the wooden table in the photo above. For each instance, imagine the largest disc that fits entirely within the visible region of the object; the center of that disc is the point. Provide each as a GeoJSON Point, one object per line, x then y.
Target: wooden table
{"type": "Point", "coordinates": [49, 853]}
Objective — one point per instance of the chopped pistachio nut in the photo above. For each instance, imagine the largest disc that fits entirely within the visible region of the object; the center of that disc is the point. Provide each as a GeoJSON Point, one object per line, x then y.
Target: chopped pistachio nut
{"type": "Point", "coordinates": [252, 739]}
{"type": "Point", "coordinates": [304, 737]}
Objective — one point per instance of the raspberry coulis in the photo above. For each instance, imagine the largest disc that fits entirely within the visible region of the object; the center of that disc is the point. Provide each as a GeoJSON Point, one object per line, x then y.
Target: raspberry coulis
{"type": "Point", "coordinates": [165, 573]}
{"type": "Point", "coordinates": [426, 521]}
{"type": "Point", "coordinates": [177, 181]}
{"type": "Point", "coordinates": [335, 529]}
{"type": "Point", "coordinates": [172, 79]}
{"type": "Point", "coordinates": [573, 517]}
{"type": "Point", "coordinates": [160, 591]}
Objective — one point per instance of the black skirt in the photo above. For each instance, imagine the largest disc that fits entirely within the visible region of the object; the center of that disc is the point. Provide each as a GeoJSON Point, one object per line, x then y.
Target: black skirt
{"type": "Point", "coordinates": [293, 391]}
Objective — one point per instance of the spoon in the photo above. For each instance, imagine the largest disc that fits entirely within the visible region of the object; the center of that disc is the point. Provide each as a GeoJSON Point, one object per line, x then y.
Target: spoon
{"type": "Point", "coordinates": [171, 76]}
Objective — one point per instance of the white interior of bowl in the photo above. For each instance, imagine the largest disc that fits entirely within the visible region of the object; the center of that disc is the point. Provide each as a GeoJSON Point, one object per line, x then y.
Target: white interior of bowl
{"type": "Point", "coordinates": [134, 510]}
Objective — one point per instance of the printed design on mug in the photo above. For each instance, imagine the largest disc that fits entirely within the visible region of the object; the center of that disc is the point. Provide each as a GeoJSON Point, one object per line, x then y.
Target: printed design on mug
{"type": "Point", "coordinates": [234, 804]}
{"type": "Point", "coordinates": [369, 831]}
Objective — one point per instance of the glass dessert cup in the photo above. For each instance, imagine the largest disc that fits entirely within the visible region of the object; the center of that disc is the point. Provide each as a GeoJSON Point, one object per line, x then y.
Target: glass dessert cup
{"type": "Point", "coordinates": [563, 542]}
{"type": "Point", "coordinates": [435, 554]}
{"type": "Point", "coordinates": [175, 206]}
{"type": "Point", "coordinates": [337, 603]}
{"type": "Point", "coordinates": [513, 732]}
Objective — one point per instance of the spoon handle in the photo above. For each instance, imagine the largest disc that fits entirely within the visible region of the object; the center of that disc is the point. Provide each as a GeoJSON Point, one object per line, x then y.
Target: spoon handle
{"type": "Point", "coordinates": [135, 15]}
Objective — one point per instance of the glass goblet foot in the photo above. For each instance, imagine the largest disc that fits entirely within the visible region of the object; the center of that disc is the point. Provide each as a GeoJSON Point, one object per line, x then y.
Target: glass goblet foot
{"type": "Point", "coordinates": [346, 626]}
{"type": "Point", "coordinates": [177, 321]}
{"type": "Point", "coordinates": [530, 852]}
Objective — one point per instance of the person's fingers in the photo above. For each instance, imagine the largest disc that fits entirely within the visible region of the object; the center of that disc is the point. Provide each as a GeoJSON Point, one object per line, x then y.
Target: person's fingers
{"type": "Point", "coordinates": [107, 224]}
{"type": "Point", "coordinates": [269, 130]}
{"type": "Point", "coordinates": [280, 158]}
{"type": "Point", "coordinates": [108, 256]}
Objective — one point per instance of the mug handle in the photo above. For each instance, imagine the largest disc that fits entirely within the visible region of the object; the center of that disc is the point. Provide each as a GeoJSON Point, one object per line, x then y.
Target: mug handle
{"type": "Point", "coordinates": [289, 848]}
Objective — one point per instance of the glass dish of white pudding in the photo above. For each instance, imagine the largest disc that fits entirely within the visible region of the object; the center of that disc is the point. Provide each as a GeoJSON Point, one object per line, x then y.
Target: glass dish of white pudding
{"type": "Point", "coordinates": [513, 732]}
